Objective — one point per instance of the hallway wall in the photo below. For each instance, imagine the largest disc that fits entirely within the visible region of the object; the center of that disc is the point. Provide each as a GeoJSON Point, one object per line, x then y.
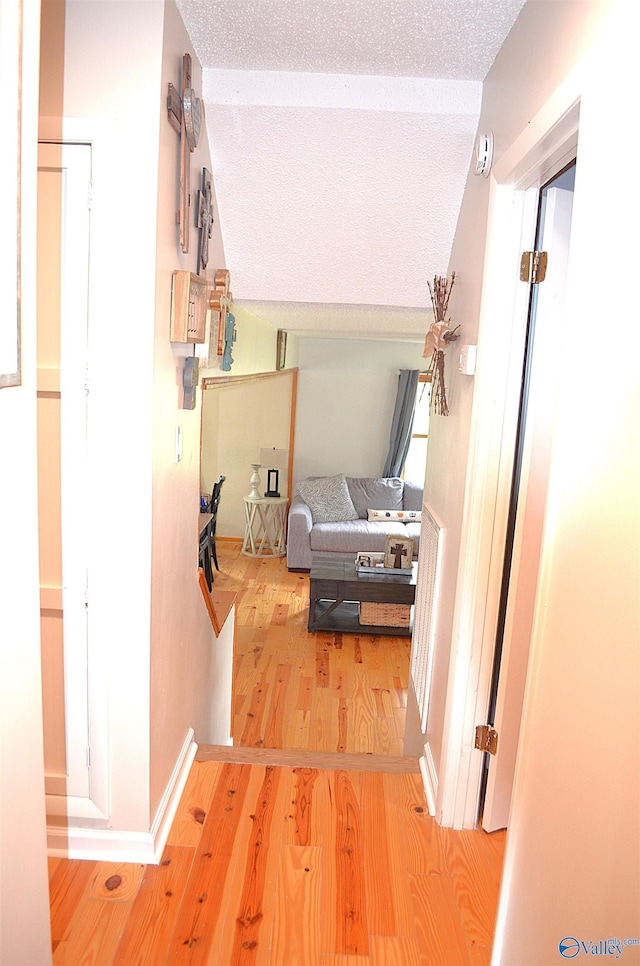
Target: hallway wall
{"type": "Point", "coordinates": [167, 673]}
{"type": "Point", "coordinates": [25, 935]}
{"type": "Point", "coordinates": [581, 708]}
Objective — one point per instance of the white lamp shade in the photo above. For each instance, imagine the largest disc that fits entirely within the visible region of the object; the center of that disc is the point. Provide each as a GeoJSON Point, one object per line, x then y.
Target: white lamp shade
{"type": "Point", "coordinates": [274, 459]}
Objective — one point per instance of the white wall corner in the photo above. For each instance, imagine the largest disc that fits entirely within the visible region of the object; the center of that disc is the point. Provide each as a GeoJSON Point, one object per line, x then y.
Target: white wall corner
{"type": "Point", "coordinates": [429, 778]}
{"type": "Point", "coordinates": [114, 845]}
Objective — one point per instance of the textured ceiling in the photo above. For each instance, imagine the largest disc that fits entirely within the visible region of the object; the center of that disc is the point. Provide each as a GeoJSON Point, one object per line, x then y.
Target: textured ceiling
{"type": "Point", "coordinates": [341, 134]}
{"type": "Point", "coordinates": [455, 39]}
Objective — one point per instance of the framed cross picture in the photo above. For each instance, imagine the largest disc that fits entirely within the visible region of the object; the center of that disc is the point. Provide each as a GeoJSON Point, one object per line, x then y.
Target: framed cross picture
{"type": "Point", "coordinates": [398, 553]}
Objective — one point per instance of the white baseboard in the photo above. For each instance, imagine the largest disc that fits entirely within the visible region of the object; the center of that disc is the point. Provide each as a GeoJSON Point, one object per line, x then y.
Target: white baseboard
{"type": "Point", "coordinates": [101, 845]}
{"type": "Point", "coordinates": [112, 845]}
{"type": "Point", "coordinates": [168, 806]}
{"type": "Point", "coordinates": [429, 778]}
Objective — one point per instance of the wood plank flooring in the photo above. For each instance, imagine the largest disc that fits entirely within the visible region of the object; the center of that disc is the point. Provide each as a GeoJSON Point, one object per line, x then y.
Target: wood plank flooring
{"type": "Point", "coordinates": [321, 691]}
{"type": "Point", "coordinates": [293, 855]}
{"type": "Point", "coordinates": [287, 866]}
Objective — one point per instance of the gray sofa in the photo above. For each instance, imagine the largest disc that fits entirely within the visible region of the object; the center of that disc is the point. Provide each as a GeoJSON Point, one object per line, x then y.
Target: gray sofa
{"type": "Point", "coordinates": [312, 534]}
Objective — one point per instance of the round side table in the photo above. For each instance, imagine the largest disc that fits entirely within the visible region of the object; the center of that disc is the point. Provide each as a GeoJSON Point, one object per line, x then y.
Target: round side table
{"type": "Point", "coordinates": [265, 529]}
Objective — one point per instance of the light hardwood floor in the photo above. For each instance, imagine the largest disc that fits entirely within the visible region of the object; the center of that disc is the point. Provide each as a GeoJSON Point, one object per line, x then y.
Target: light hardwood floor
{"type": "Point", "coordinates": [311, 855]}
{"type": "Point", "coordinates": [293, 689]}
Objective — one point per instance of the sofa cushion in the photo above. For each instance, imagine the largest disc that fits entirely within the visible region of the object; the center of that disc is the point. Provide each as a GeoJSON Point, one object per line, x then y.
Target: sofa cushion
{"type": "Point", "coordinates": [328, 499]}
{"type": "Point", "coordinates": [411, 496]}
{"type": "Point", "coordinates": [413, 530]}
{"type": "Point", "coordinates": [382, 493]}
{"type": "Point", "coordinates": [404, 516]}
{"type": "Point", "coordinates": [355, 535]}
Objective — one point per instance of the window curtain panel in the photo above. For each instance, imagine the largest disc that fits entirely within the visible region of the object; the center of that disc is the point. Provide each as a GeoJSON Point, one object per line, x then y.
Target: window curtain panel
{"type": "Point", "coordinates": [402, 422]}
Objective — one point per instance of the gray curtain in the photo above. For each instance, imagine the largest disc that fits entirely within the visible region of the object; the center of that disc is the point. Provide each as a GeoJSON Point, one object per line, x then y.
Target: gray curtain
{"type": "Point", "coordinates": [402, 423]}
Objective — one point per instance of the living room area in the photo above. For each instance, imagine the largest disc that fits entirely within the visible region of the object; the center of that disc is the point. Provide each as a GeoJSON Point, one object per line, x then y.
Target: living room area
{"type": "Point", "coordinates": [330, 409]}
{"type": "Point", "coordinates": [335, 419]}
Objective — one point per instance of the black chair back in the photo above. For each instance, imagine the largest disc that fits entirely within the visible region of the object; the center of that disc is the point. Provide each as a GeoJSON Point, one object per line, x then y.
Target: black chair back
{"type": "Point", "coordinates": [213, 509]}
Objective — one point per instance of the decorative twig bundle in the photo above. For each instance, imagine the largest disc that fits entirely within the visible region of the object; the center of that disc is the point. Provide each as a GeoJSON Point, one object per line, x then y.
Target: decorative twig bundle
{"type": "Point", "coordinates": [438, 338]}
{"type": "Point", "coordinates": [440, 292]}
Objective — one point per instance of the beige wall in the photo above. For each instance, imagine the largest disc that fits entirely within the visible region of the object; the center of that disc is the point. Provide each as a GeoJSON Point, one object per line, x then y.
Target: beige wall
{"type": "Point", "coordinates": [209, 440]}
{"type": "Point", "coordinates": [240, 419]}
{"type": "Point", "coordinates": [255, 347]}
{"type": "Point", "coordinates": [24, 912]}
{"type": "Point", "coordinates": [346, 394]}
{"type": "Point", "coordinates": [571, 864]}
{"type": "Point", "coordinates": [190, 670]}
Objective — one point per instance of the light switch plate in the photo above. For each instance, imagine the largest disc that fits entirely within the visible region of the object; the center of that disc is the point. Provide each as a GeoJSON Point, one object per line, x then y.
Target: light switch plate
{"type": "Point", "coordinates": [467, 362]}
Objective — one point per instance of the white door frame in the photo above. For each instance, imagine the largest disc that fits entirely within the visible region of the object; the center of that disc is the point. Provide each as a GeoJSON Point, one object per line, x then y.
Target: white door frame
{"type": "Point", "coordinates": [543, 148]}
{"type": "Point", "coordinates": [545, 371]}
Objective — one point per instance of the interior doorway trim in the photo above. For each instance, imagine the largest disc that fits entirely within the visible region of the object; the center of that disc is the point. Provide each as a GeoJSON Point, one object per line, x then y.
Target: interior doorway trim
{"type": "Point", "coordinates": [542, 149]}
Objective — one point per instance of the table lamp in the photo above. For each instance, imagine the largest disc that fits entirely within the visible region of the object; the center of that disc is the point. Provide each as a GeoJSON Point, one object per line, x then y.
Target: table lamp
{"type": "Point", "coordinates": [274, 460]}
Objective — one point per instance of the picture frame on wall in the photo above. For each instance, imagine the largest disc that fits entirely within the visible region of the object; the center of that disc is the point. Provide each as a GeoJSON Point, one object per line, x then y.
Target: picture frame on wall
{"type": "Point", "coordinates": [281, 349]}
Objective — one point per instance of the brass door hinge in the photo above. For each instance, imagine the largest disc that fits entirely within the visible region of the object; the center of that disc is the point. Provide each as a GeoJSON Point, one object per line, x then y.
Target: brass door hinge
{"type": "Point", "coordinates": [486, 739]}
{"type": "Point", "coordinates": [533, 267]}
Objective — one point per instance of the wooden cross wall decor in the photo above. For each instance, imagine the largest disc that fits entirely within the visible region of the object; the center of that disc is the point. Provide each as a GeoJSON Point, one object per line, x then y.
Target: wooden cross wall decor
{"type": "Point", "coordinates": [184, 112]}
{"type": "Point", "coordinates": [220, 301]}
{"type": "Point", "coordinates": [205, 218]}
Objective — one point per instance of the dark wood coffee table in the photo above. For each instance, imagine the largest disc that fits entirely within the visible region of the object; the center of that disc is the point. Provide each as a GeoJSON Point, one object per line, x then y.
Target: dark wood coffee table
{"type": "Point", "coordinates": [336, 589]}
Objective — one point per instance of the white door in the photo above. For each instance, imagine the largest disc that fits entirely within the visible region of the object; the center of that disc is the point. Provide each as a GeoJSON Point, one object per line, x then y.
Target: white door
{"type": "Point", "coordinates": [546, 365]}
{"type": "Point", "coordinates": [64, 173]}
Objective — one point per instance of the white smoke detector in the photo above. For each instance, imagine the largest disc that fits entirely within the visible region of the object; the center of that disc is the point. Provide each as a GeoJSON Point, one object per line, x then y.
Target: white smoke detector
{"type": "Point", "coordinates": [484, 154]}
